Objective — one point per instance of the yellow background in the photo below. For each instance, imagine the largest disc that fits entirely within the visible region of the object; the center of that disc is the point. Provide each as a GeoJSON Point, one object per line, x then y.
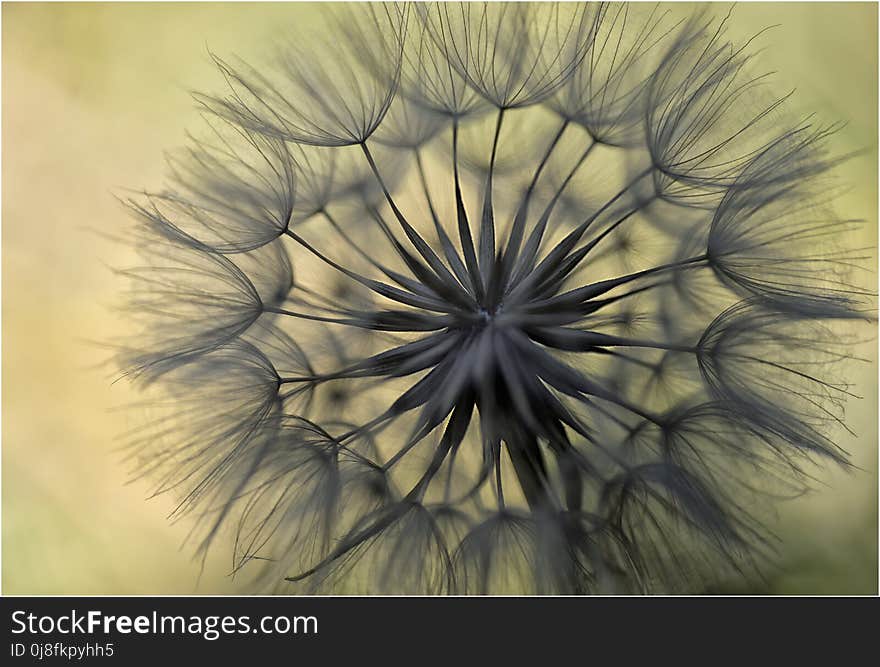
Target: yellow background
{"type": "Point", "coordinates": [92, 95]}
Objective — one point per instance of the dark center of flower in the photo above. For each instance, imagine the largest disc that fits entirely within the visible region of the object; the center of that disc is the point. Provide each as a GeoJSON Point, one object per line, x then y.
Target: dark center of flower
{"type": "Point", "coordinates": [487, 314]}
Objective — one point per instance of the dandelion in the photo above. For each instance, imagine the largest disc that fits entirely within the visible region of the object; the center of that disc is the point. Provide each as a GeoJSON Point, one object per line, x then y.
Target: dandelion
{"type": "Point", "coordinates": [500, 298]}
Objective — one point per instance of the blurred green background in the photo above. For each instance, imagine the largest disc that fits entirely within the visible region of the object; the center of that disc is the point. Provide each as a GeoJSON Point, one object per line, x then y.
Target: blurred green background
{"type": "Point", "coordinates": [92, 95]}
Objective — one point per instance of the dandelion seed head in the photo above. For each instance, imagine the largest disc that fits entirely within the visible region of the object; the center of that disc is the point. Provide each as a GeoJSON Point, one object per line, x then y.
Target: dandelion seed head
{"type": "Point", "coordinates": [498, 298]}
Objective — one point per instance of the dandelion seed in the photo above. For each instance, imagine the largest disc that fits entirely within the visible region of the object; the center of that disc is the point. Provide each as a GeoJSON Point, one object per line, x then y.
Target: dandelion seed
{"type": "Point", "coordinates": [234, 194]}
{"type": "Point", "coordinates": [318, 101]}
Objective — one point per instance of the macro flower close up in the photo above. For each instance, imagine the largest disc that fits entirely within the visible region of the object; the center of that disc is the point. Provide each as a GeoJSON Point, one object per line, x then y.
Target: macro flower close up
{"type": "Point", "coordinates": [494, 298]}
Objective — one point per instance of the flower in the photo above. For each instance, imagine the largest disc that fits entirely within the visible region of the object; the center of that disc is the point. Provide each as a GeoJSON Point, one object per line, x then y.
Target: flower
{"type": "Point", "coordinates": [576, 372]}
